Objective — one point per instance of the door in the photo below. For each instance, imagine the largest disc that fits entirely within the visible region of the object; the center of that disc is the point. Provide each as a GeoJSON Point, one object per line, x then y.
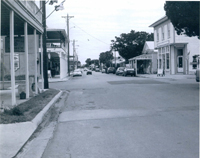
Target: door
{"type": "Point", "coordinates": [180, 63]}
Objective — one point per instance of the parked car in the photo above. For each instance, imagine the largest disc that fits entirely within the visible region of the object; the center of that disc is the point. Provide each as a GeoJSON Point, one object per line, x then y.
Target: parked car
{"type": "Point", "coordinates": [120, 70]}
{"type": "Point", "coordinates": [103, 70]}
{"type": "Point", "coordinates": [111, 70]}
{"type": "Point", "coordinates": [129, 71]}
{"type": "Point", "coordinates": [97, 69]}
{"type": "Point", "coordinates": [89, 72]}
{"type": "Point", "coordinates": [77, 72]}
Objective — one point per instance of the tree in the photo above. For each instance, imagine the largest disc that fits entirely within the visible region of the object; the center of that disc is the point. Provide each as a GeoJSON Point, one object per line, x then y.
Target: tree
{"type": "Point", "coordinates": [184, 16]}
{"type": "Point", "coordinates": [88, 61]}
{"type": "Point", "coordinates": [130, 45]}
{"type": "Point", "coordinates": [106, 57]}
{"type": "Point", "coordinates": [95, 62]}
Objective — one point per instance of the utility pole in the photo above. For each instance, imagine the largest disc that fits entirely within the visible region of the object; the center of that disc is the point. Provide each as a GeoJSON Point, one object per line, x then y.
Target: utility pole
{"type": "Point", "coordinates": [68, 17]}
{"type": "Point", "coordinates": [73, 54]}
{"type": "Point", "coordinates": [45, 62]}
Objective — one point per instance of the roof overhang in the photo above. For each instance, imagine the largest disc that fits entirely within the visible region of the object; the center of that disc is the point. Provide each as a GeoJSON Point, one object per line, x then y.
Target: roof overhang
{"type": "Point", "coordinates": [158, 22]}
{"type": "Point", "coordinates": [56, 35]}
{"type": "Point", "coordinates": [178, 45]}
{"type": "Point", "coordinates": [142, 57]}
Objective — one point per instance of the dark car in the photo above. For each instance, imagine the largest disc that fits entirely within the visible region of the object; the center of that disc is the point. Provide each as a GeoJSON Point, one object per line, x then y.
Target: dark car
{"type": "Point", "coordinates": [129, 71]}
{"type": "Point", "coordinates": [89, 72]}
{"type": "Point", "coordinates": [120, 71]}
{"type": "Point", "coordinates": [111, 70]}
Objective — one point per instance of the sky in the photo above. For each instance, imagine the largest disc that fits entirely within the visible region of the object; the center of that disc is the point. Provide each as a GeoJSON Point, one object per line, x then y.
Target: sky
{"type": "Point", "coordinates": [97, 22]}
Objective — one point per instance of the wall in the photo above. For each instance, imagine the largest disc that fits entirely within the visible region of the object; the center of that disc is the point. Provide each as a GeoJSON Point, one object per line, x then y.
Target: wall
{"type": "Point", "coordinates": [31, 57]}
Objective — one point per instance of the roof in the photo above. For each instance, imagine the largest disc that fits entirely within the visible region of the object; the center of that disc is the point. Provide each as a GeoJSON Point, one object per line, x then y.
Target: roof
{"type": "Point", "coordinates": [148, 47]}
{"type": "Point", "coordinates": [56, 34]}
{"type": "Point", "coordinates": [163, 19]}
{"type": "Point", "coordinates": [150, 44]}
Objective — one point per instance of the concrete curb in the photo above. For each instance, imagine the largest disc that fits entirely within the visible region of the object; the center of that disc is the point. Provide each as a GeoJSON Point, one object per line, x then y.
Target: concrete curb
{"type": "Point", "coordinates": [38, 119]}
{"type": "Point", "coordinates": [14, 136]}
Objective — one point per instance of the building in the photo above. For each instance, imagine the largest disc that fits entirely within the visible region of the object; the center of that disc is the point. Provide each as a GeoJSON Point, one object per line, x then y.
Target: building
{"type": "Point", "coordinates": [57, 52]}
{"type": "Point", "coordinates": [147, 61]}
{"type": "Point", "coordinates": [118, 62]}
{"type": "Point", "coordinates": [21, 29]}
{"type": "Point", "coordinates": [176, 53]}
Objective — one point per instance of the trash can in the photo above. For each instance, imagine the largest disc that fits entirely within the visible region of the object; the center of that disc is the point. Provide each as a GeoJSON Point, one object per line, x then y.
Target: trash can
{"type": "Point", "coordinates": [22, 95]}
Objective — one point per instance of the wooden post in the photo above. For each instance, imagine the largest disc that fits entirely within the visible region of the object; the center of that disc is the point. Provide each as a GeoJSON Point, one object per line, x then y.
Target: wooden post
{"type": "Point", "coordinates": [35, 50]}
{"type": "Point", "coordinates": [26, 58]}
{"type": "Point", "coordinates": [12, 57]}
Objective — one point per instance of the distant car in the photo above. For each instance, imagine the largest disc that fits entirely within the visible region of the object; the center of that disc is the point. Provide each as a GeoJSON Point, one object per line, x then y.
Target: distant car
{"type": "Point", "coordinates": [103, 70]}
{"type": "Point", "coordinates": [120, 71]}
{"type": "Point", "coordinates": [97, 70]}
{"type": "Point", "coordinates": [198, 69]}
{"type": "Point", "coordinates": [77, 72]}
{"type": "Point", "coordinates": [111, 70]}
{"type": "Point", "coordinates": [129, 71]}
{"type": "Point", "coordinates": [89, 72]}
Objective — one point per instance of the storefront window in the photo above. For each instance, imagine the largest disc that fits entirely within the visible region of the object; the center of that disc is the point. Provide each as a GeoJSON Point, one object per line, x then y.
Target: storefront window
{"type": "Point", "coordinates": [167, 60]}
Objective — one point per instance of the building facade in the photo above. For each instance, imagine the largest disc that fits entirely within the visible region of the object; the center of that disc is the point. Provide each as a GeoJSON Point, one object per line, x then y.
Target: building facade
{"type": "Point", "coordinates": [21, 28]}
{"type": "Point", "coordinates": [147, 62]}
{"type": "Point", "coordinates": [176, 53]}
{"type": "Point", "coordinates": [56, 44]}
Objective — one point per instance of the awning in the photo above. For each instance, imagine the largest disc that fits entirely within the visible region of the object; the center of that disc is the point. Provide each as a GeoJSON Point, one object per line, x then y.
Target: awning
{"type": "Point", "coordinates": [142, 57]}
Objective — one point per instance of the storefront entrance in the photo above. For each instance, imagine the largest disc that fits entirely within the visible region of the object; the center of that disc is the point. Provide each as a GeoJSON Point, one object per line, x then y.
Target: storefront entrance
{"type": "Point", "coordinates": [180, 61]}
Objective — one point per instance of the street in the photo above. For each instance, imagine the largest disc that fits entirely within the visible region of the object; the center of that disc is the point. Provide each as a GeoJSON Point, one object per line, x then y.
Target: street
{"type": "Point", "coordinates": [109, 116]}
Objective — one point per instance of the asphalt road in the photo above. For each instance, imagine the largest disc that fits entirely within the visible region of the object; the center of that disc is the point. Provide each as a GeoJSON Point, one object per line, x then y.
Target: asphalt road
{"type": "Point", "coordinates": [109, 116]}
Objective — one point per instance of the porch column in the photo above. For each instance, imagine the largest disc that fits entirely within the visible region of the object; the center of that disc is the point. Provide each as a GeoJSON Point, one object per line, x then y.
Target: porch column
{"type": "Point", "coordinates": [42, 73]}
{"type": "Point", "coordinates": [26, 58]}
{"type": "Point", "coordinates": [62, 65]}
{"type": "Point", "coordinates": [12, 58]}
{"type": "Point", "coordinates": [35, 50]}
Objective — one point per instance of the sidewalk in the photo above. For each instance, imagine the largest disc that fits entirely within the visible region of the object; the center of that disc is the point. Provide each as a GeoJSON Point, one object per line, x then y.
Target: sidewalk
{"type": "Point", "coordinates": [14, 136]}
{"type": "Point", "coordinates": [176, 76]}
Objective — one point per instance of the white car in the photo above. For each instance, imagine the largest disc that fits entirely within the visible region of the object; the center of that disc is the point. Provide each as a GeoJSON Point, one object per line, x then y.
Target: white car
{"type": "Point", "coordinates": [77, 72]}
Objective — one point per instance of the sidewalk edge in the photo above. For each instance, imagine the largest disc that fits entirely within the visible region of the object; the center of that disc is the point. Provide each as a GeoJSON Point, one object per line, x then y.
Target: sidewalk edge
{"type": "Point", "coordinates": [38, 119]}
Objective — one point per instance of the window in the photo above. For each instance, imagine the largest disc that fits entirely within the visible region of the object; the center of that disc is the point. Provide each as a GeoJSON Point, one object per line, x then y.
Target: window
{"type": "Point", "coordinates": [158, 35]}
{"type": "Point", "coordinates": [168, 30]}
{"type": "Point", "coordinates": [163, 35]}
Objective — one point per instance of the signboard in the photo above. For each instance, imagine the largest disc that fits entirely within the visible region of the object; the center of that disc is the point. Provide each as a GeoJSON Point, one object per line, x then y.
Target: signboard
{"type": "Point", "coordinates": [16, 61]}
{"type": "Point", "coordinates": [18, 44]}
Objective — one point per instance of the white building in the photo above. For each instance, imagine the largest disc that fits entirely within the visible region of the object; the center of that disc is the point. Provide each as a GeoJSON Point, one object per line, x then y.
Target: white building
{"type": "Point", "coordinates": [147, 60]}
{"type": "Point", "coordinates": [175, 52]}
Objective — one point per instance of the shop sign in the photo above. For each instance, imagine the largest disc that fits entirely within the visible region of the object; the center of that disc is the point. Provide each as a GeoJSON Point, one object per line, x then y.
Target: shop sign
{"type": "Point", "coordinates": [16, 61]}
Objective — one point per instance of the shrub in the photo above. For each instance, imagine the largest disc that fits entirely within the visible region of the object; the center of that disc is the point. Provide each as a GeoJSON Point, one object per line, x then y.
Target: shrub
{"type": "Point", "coordinates": [14, 111]}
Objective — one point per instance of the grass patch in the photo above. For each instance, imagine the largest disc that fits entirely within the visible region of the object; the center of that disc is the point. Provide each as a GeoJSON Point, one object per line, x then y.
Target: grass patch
{"type": "Point", "coordinates": [28, 110]}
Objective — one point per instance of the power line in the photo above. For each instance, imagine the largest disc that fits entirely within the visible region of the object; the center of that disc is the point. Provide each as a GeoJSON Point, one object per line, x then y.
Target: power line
{"type": "Point", "coordinates": [90, 34]}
